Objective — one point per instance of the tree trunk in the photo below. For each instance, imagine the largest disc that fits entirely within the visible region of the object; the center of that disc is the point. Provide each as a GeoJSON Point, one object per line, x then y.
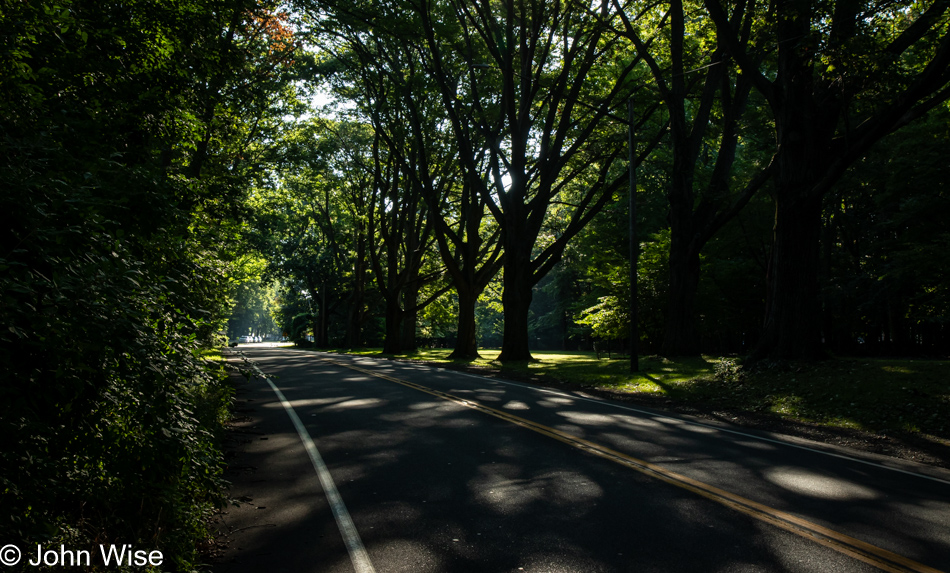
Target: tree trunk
{"type": "Point", "coordinates": [314, 316]}
{"type": "Point", "coordinates": [805, 128]}
{"type": "Point", "coordinates": [466, 345]}
{"type": "Point", "coordinates": [410, 315]}
{"type": "Point", "coordinates": [680, 337]}
{"type": "Point", "coordinates": [354, 315]}
{"type": "Point", "coordinates": [392, 343]}
{"type": "Point", "coordinates": [352, 336]}
{"type": "Point", "coordinates": [793, 318]}
{"type": "Point", "coordinates": [407, 333]}
{"type": "Point", "coordinates": [315, 324]}
{"type": "Point", "coordinates": [516, 300]}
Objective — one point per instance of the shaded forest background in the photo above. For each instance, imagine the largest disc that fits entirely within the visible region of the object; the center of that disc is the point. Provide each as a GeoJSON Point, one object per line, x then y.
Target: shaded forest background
{"type": "Point", "coordinates": [404, 213]}
{"type": "Point", "coordinates": [884, 261]}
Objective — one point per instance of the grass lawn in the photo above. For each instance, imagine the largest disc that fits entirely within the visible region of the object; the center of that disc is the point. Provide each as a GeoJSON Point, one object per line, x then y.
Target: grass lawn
{"type": "Point", "coordinates": [213, 354]}
{"type": "Point", "coordinates": [879, 395]}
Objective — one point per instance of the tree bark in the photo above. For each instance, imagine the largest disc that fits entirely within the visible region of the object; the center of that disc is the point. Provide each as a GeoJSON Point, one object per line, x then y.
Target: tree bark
{"type": "Point", "coordinates": [354, 321]}
{"type": "Point", "coordinates": [392, 343]}
{"type": "Point", "coordinates": [516, 299]}
{"type": "Point", "coordinates": [680, 337]}
{"type": "Point", "coordinates": [410, 302]}
{"type": "Point", "coordinates": [793, 318]}
{"type": "Point", "coordinates": [315, 325]}
{"type": "Point", "coordinates": [466, 345]}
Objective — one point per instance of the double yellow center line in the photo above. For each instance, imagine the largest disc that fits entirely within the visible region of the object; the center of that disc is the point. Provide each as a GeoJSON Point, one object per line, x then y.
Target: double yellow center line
{"type": "Point", "coordinates": [871, 554]}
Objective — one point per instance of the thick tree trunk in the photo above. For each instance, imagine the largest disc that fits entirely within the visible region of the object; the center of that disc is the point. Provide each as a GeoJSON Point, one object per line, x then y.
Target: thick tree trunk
{"type": "Point", "coordinates": [680, 337]}
{"type": "Point", "coordinates": [793, 316]}
{"type": "Point", "coordinates": [351, 338]}
{"type": "Point", "coordinates": [805, 123]}
{"type": "Point", "coordinates": [466, 345]}
{"type": "Point", "coordinates": [354, 322]}
{"type": "Point", "coordinates": [314, 316]}
{"type": "Point", "coordinates": [315, 325]}
{"type": "Point", "coordinates": [516, 299]}
{"type": "Point", "coordinates": [392, 343]}
{"type": "Point", "coordinates": [408, 330]}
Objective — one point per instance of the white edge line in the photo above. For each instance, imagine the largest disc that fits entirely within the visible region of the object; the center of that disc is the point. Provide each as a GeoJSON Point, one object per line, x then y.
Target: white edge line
{"type": "Point", "coordinates": [351, 537]}
{"type": "Point", "coordinates": [683, 420]}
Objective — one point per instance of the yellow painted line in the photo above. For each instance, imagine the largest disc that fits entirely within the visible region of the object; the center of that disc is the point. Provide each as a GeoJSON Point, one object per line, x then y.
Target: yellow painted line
{"type": "Point", "coordinates": [871, 554]}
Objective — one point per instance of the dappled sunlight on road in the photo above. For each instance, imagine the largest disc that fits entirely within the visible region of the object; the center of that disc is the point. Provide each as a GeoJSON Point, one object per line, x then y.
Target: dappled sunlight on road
{"type": "Point", "coordinates": [555, 402]}
{"type": "Point", "coordinates": [700, 429]}
{"type": "Point", "coordinates": [819, 485]}
{"type": "Point", "coordinates": [586, 418]}
{"type": "Point", "coordinates": [435, 404]}
{"type": "Point", "coordinates": [356, 404]}
{"type": "Point", "coordinates": [438, 486]}
{"type": "Point", "coordinates": [755, 445]}
{"type": "Point", "coordinates": [308, 402]}
{"type": "Point", "coordinates": [505, 496]}
{"type": "Point", "coordinates": [483, 395]}
{"type": "Point", "coordinates": [407, 555]}
{"type": "Point", "coordinates": [505, 489]}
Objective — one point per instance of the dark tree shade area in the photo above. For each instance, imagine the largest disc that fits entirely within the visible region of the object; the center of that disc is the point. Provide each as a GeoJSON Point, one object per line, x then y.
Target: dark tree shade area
{"type": "Point", "coordinates": [128, 134]}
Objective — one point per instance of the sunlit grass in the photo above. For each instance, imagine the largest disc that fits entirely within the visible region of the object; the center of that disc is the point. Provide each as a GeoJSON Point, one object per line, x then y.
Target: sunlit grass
{"type": "Point", "coordinates": [210, 354]}
{"type": "Point", "coordinates": [655, 375]}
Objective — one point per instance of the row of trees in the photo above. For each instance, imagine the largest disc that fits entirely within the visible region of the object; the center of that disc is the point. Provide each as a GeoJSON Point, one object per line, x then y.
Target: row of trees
{"type": "Point", "coordinates": [486, 137]}
{"type": "Point", "coordinates": [129, 136]}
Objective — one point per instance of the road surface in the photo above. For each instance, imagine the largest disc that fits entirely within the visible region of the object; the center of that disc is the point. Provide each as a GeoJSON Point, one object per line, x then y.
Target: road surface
{"type": "Point", "coordinates": [363, 464]}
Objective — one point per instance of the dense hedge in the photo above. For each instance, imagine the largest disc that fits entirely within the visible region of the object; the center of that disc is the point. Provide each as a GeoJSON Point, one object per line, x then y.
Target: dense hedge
{"type": "Point", "coordinates": [120, 199]}
{"type": "Point", "coordinates": [107, 413]}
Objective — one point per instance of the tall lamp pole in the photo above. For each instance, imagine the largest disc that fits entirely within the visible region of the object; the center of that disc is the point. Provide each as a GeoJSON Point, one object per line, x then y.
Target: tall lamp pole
{"type": "Point", "coordinates": [634, 244]}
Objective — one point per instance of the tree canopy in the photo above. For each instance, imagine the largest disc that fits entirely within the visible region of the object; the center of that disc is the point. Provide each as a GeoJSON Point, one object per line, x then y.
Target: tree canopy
{"type": "Point", "coordinates": [499, 157]}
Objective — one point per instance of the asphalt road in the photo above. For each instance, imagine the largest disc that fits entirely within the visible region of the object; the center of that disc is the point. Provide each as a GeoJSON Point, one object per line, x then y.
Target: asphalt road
{"type": "Point", "coordinates": [427, 469]}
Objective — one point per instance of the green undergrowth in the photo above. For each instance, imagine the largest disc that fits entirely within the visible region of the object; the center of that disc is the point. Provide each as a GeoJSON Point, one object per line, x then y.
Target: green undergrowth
{"type": "Point", "coordinates": [880, 395]}
{"type": "Point", "coordinates": [142, 466]}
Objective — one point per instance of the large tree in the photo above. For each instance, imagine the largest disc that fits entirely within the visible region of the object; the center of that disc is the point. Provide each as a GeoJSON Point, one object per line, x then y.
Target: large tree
{"type": "Point", "coordinates": [367, 70]}
{"type": "Point", "coordinates": [706, 101]}
{"type": "Point", "coordinates": [532, 84]}
{"type": "Point", "coordinates": [402, 222]}
{"type": "Point", "coordinates": [423, 195]}
{"type": "Point", "coordinates": [468, 242]}
{"type": "Point", "coordinates": [837, 77]}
